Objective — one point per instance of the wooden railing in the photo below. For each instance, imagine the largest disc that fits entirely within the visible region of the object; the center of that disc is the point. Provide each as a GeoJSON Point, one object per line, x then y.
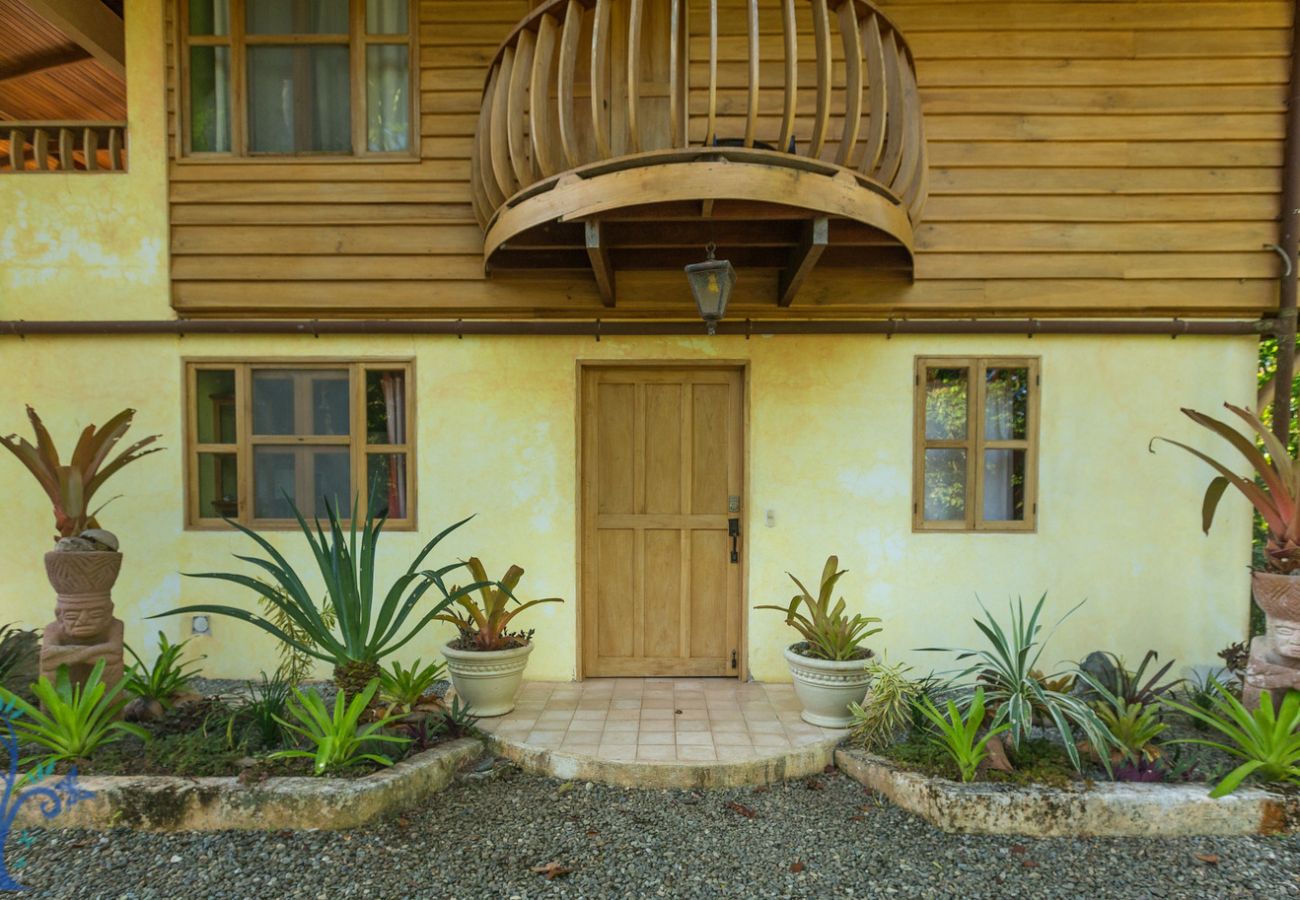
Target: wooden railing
{"type": "Point", "coordinates": [582, 82]}
{"type": "Point", "coordinates": [35, 147]}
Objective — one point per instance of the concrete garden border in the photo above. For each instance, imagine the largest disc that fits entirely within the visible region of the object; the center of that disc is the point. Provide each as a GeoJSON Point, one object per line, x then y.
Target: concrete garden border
{"type": "Point", "coordinates": [1099, 810]}
{"type": "Point", "coordinates": [173, 803]}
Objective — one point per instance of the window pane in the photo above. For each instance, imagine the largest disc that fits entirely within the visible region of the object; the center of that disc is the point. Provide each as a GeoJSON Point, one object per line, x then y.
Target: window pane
{"type": "Point", "coordinates": [1006, 404]}
{"type": "Point", "coordinates": [299, 99]}
{"type": "Point", "coordinates": [385, 407]}
{"type": "Point", "coordinates": [308, 475]}
{"type": "Point", "coordinates": [215, 406]}
{"type": "Point", "coordinates": [209, 16]}
{"type": "Point", "coordinates": [218, 486]}
{"type": "Point", "coordinates": [386, 484]}
{"type": "Point", "coordinates": [388, 105]}
{"type": "Point", "coordinates": [945, 485]}
{"type": "Point", "coordinates": [298, 17]}
{"type": "Point", "coordinates": [310, 401]}
{"type": "Point", "coordinates": [945, 404]}
{"type": "Point", "coordinates": [386, 16]}
{"type": "Point", "coordinates": [210, 99]}
{"type": "Point", "coordinates": [1004, 486]}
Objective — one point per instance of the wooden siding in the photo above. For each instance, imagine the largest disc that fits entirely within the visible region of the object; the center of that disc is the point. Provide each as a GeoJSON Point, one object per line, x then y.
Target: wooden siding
{"type": "Point", "coordinates": [1086, 158]}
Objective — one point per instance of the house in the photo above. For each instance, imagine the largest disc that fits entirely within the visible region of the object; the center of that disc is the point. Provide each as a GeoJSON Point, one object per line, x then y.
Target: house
{"type": "Point", "coordinates": [982, 253]}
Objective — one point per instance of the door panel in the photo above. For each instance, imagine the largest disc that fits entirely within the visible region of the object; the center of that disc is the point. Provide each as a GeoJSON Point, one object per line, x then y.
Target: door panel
{"type": "Point", "coordinates": [662, 456]}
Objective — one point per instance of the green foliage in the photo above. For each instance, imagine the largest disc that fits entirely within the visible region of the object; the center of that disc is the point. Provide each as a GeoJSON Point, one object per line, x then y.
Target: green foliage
{"type": "Point", "coordinates": [72, 721]}
{"type": "Point", "coordinates": [339, 739]}
{"type": "Point", "coordinates": [888, 710]}
{"type": "Point", "coordinates": [1135, 726]}
{"type": "Point", "coordinates": [827, 631]}
{"type": "Point", "coordinates": [483, 626]}
{"type": "Point", "coordinates": [959, 736]}
{"type": "Point", "coordinates": [260, 718]}
{"type": "Point", "coordinates": [368, 628]}
{"type": "Point", "coordinates": [406, 687]}
{"type": "Point", "coordinates": [1130, 686]}
{"type": "Point", "coordinates": [19, 657]}
{"type": "Point", "coordinates": [295, 665]}
{"type": "Point", "coordinates": [168, 678]}
{"type": "Point", "coordinates": [1007, 669]}
{"type": "Point", "coordinates": [1267, 740]}
{"type": "Point", "coordinates": [457, 718]}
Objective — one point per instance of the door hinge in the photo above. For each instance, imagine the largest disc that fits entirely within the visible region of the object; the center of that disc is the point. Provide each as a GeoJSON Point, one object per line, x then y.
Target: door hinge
{"type": "Point", "coordinates": [733, 659]}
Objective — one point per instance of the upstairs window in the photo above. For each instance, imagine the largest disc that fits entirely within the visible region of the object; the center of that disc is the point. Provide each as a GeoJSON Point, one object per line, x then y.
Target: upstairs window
{"type": "Point", "coordinates": [976, 444]}
{"type": "Point", "coordinates": [265, 78]}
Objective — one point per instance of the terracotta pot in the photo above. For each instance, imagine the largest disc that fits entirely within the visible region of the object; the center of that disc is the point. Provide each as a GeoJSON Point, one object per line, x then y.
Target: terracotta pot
{"type": "Point", "coordinates": [80, 573]}
{"type": "Point", "coordinates": [487, 680]}
{"type": "Point", "coordinates": [1277, 595]}
{"type": "Point", "coordinates": [826, 687]}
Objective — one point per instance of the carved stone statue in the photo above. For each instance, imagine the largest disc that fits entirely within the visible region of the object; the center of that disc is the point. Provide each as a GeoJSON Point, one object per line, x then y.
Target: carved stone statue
{"type": "Point", "coordinates": [1274, 663]}
{"type": "Point", "coordinates": [84, 630]}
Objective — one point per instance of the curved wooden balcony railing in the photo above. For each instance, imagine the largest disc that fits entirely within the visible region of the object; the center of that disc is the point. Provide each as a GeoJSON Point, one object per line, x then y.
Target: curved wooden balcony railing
{"type": "Point", "coordinates": [804, 111]}
{"type": "Point", "coordinates": [62, 147]}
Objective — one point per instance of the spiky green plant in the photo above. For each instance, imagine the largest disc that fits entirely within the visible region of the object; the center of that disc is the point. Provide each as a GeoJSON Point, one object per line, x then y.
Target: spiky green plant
{"type": "Point", "coordinates": [260, 717]}
{"type": "Point", "coordinates": [827, 631]}
{"type": "Point", "coordinates": [71, 487]}
{"type": "Point", "coordinates": [368, 628]}
{"type": "Point", "coordinates": [1135, 726]}
{"type": "Point", "coordinates": [959, 735]}
{"type": "Point", "coordinates": [1006, 670]}
{"type": "Point", "coordinates": [1268, 740]}
{"type": "Point", "coordinates": [166, 679]}
{"type": "Point", "coordinates": [295, 665]}
{"type": "Point", "coordinates": [339, 739]}
{"type": "Point", "coordinates": [403, 687]}
{"type": "Point", "coordinates": [483, 626]}
{"type": "Point", "coordinates": [887, 710]}
{"type": "Point", "coordinates": [71, 721]}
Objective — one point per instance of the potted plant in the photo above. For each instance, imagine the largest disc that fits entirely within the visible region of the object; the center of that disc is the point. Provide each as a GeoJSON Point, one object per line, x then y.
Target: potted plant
{"type": "Point", "coordinates": [829, 665]}
{"type": "Point", "coordinates": [1274, 663]}
{"type": "Point", "coordinates": [486, 661]}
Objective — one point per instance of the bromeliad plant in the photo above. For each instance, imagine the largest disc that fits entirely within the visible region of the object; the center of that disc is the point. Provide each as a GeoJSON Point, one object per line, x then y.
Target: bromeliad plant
{"type": "Point", "coordinates": [958, 735]}
{"type": "Point", "coordinates": [827, 631]}
{"type": "Point", "coordinates": [483, 626]}
{"type": "Point", "coordinates": [369, 626]}
{"type": "Point", "coordinates": [405, 688]}
{"type": "Point", "coordinates": [1007, 669]}
{"type": "Point", "coordinates": [71, 487]}
{"type": "Point", "coordinates": [339, 740]}
{"type": "Point", "coordinates": [1276, 497]}
{"type": "Point", "coordinates": [168, 678]}
{"type": "Point", "coordinates": [1267, 741]}
{"type": "Point", "coordinates": [71, 721]}
{"type": "Point", "coordinates": [889, 708]}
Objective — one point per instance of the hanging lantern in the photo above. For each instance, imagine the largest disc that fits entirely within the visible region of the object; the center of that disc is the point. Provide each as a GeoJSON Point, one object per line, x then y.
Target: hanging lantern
{"type": "Point", "coordinates": [711, 283]}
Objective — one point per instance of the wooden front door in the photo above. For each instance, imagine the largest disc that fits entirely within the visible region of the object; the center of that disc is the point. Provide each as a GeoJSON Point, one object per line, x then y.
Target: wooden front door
{"type": "Point", "coordinates": [662, 457]}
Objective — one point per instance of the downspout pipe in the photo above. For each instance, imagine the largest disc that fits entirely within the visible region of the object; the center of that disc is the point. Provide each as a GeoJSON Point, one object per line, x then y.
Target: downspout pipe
{"type": "Point", "coordinates": [624, 327]}
{"type": "Point", "coordinates": [1289, 228]}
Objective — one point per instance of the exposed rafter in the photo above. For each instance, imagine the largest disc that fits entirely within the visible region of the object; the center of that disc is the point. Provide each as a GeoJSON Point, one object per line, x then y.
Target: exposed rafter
{"type": "Point", "coordinates": [43, 62]}
{"type": "Point", "coordinates": [813, 241]}
{"type": "Point", "coordinates": [91, 25]}
{"type": "Point", "coordinates": [601, 266]}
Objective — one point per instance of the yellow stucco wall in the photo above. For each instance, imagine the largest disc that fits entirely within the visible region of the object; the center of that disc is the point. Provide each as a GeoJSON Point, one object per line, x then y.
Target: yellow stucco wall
{"type": "Point", "coordinates": [830, 454]}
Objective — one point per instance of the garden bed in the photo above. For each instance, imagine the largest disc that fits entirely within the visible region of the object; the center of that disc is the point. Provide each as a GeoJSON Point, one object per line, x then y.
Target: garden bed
{"type": "Point", "coordinates": [1073, 809]}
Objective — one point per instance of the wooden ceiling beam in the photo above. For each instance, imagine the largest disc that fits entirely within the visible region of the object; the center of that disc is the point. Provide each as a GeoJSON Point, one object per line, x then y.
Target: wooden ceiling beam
{"type": "Point", "coordinates": [812, 244]}
{"type": "Point", "coordinates": [54, 58]}
{"type": "Point", "coordinates": [601, 266]}
{"type": "Point", "coordinates": [91, 25]}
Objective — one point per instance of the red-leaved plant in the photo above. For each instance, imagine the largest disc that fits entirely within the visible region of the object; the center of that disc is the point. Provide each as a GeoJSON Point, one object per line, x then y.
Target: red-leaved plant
{"type": "Point", "coordinates": [1276, 496]}
{"type": "Point", "coordinates": [70, 487]}
{"type": "Point", "coordinates": [483, 627]}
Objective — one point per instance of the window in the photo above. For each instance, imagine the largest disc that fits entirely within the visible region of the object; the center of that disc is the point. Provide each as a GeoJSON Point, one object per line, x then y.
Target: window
{"type": "Point", "coordinates": [976, 444]}
{"type": "Point", "coordinates": [262, 434]}
{"type": "Point", "coordinates": [298, 77]}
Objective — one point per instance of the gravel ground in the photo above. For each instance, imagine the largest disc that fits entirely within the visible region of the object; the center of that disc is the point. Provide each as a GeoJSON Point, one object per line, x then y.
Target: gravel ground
{"type": "Point", "coordinates": [483, 836]}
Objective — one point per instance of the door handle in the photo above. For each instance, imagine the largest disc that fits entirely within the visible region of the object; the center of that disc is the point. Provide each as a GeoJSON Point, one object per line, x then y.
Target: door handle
{"type": "Point", "coordinates": [733, 531]}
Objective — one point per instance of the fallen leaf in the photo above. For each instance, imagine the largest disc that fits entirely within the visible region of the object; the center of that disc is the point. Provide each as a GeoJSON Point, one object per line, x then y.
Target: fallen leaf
{"type": "Point", "coordinates": [997, 756]}
{"type": "Point", "coordinates": [761, 789]}
{"type": "Point", "coordinates": [1028, 864]}
{"type": "Point", "coordinates": [564, 788]}
{"type": "Point", "coordinates": [403, 822]}
{"type": "Point", "coordinates": [1019, 849]}
{"type": "Point", "coordinates": [796, 867]}
{"type": "Point", "coordinates": [591, 832]}
{"type": "Point", "coordinates": [857, 818]}
{"type": "Point", "coordinates": [742, 809]}
{"type": "Point", "coordinates": [814, 784]}
{"type": "Point", "coordinates": [551, 870]}
{"type": "Point", "coordinates": [829, 769]}
{"type": "Point", "coordinates": [1210, 859]}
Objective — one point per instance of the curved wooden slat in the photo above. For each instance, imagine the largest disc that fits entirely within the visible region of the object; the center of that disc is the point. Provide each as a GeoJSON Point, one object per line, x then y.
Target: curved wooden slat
{"type": "Point", "coordinates": [539, 98]}
{"type": "Point", "coordinates": [893, 155]}
{"type": "Point", "coordinates": [919, 191]}
{"type": "Point", "coordinates": [822, 42]}
{"type": "Point", "coordinates": [874, 141]}
{"type": "Point", "coordinates": [499, 126]}
{"type": "Point", "coordinates": [677, 91]}
{"type": "Point", "coordinates": [516, 102]}
{"type": "Point", "coordinates": [711, 127]}
{"type": "Point", "coordinates": [115, 149]}
{"type": "Point", "coordinates": [852, 36]}
{"type": "Point", "coordinates": [600, 76]}
{"type": "Point", "coordinates": [790, 27]}
{"type": "Point", "coordinates": [634, 76]}
{"type": "Point", "coordinates": [751, 109]}
{"type": "Point", "coordinates": [911, 131]}
{"type": "Point", "coordinates": [492, 191]}
{"type": "Point", "coordinates": [568, 65]}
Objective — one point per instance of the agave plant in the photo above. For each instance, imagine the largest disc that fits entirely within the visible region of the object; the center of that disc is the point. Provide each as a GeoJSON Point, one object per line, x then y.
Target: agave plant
{"type": "Point", "coordinates": [367, 628]}
{"type": "Point", "coordinates": [483, 626]}
{"type": "Point", "coordinates": [1276, 498]}
{"type": "Point", "coordinates": [71, 487]}
{"type": "Point", "coordinates": [827, 631]}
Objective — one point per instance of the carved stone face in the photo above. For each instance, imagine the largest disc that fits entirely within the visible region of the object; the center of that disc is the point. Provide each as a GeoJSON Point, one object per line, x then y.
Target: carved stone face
{"type": "Point", "coordinates": [84, 624]}
{"type": "Point", "coordinates": [1285, 637]}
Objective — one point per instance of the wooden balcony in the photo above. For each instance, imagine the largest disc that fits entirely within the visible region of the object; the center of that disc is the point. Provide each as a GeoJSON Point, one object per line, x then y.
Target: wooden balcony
{"type": "Point", "coordinates": [628, 134]}
{"type": "Point", "coordinates": [35, 147]}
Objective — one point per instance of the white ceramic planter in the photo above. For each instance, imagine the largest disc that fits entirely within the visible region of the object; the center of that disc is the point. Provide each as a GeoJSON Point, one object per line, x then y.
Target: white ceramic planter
{"type": "Point", "coordinates": [827, 687]}
{"type": "Point", "coordinates": [487, 680]}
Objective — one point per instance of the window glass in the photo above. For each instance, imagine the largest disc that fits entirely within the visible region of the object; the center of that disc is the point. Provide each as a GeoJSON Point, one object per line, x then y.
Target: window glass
{"type": "Point", "coordinates": [299, 100]}
{"type": "Point", "coordinates": [210, 99]}
{"type": "Point", "coordinates": [945, 485]}
{"type": "Point", "coordinates": [385, 407]}
{"type": "Point", "coordinates": [209, 17]}
{"type": "Point", "coordinates": [946, 404]}
{"type": "Point", "coordinates": [303, 402]}
{"type": "Point", "coordinates": [388, 104]}
{"type": "Point", "coordinates": [215, 401]}
{"type": "Point", "coordinates": [218, 477]}
{"type": "Point", "coordinates": [386, 16]}
{"type": "Point", "coordinates": [1004, 485]}
{"type": "Point", "coordinates": [298, 16]}
{"type": "Point", "coordinates": [308, 476]}
{"type": "Point", "coordinates": [1006, 404]}
{"type": "Point", "coordinates": [386, 484]}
